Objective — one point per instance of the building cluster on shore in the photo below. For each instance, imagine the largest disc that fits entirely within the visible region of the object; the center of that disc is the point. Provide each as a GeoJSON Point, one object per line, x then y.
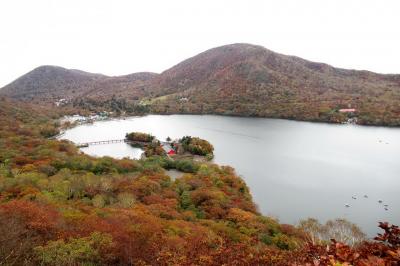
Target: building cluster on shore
{"type": "Point", "coordinates": [79, 119]}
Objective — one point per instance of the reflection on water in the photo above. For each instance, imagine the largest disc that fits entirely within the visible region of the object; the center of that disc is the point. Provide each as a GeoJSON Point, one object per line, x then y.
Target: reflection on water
{"type": "Point", "coordinates": [294, 169]}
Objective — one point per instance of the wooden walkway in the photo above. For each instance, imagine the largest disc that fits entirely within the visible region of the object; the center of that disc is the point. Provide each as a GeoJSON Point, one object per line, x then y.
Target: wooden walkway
{"type": "Point", "coordinates": [87, 144]}
{"type": "Point", "coordinates": [100, 142]}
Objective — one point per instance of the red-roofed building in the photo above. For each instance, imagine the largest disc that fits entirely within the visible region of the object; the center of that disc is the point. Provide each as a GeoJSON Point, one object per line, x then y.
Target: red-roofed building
{"type": "Point", "coordinates": [168, 149]}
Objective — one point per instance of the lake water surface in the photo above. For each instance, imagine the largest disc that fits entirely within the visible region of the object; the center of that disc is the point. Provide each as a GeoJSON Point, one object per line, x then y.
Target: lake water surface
{"type": "Point", "coordinates": [294, 169]}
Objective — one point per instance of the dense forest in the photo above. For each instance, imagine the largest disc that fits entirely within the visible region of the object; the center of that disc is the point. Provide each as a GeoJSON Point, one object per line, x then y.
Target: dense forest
{"type": "Point", "coordinates": [59, 206]}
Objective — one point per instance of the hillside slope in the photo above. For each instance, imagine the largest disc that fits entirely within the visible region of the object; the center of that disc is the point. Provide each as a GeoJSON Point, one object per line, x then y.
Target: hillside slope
{"type": "Point", "coordinates": [243, 79]}
{"type": "Point", "coordinates": [61, 207]}
{"type": "Point", "coordinates": [50, 83]}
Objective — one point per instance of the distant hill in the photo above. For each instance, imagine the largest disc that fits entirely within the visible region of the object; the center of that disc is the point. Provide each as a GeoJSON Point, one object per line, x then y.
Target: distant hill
{"type": "Point", "coordinates": [52, 83]}
{"type": "Point", "coordinates": [236, 79]}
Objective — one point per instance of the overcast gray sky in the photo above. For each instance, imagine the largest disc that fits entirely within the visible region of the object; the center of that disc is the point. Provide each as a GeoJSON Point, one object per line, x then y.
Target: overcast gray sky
{"type": "Point", "coordinates": [121, 37]}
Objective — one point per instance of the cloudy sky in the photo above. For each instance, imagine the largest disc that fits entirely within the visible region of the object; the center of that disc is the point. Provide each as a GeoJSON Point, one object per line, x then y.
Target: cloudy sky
{"type": "Point", "coordinates": [120, 37]}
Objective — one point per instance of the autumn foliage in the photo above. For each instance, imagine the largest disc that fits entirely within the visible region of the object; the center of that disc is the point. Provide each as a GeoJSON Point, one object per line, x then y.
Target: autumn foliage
{"type": "Point", "coordinates": [197, 145]}
{"type": "Point", "coordinates": [62, 207]}
{"type": "Point", "coordinates": [139, 136]}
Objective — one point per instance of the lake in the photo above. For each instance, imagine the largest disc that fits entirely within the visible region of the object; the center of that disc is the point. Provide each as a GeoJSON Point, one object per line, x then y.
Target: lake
{"type": "Point", "coordinates": [294, 169]}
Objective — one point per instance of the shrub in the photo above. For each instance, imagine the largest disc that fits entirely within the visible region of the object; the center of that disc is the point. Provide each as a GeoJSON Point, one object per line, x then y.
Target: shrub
{"type": "Point", "coordinates": [139, 136]}
{"type": "Point", "coordinates": [98, 201]}
{"type": "Point", "coordinates": [154, 149]}
{"type": "Point", "coordinates": [187, 166]}
{"type": "Point", "coordinates": [283, 242]}
{"type": "Point", "coordinates": [49, 131]}
{"type": "Point", "coordinates": [75, 251]}
{"type": "Point", "coordinates": [126, 200]}
{"type": "Point", "coordinates": [185, 200]}
{"type": "Point", "coordinates": [266, 239]}
{"type": "Point", "coordinates": [197, 146]}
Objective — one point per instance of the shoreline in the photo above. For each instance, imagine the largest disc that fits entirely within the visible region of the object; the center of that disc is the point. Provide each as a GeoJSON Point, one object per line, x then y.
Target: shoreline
{"type": "Point", "coordinates": [239, 116]}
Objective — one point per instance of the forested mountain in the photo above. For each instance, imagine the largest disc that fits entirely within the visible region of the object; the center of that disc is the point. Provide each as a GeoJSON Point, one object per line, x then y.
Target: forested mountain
{"type": "Point", "coordinates": [51, 83]}
{"type": "Point", "coordinates": [236, 79]}
{"type": "Point", "coordinates": [243, 79]}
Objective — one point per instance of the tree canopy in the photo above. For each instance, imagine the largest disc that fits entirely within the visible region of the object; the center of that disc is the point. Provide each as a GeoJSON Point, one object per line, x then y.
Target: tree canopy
{"type": "Point", "coordinates": [61, 207]}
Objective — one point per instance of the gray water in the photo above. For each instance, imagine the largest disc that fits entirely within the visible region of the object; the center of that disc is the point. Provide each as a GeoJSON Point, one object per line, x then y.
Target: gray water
{"type": "Point", "coordinates": [294, 169]}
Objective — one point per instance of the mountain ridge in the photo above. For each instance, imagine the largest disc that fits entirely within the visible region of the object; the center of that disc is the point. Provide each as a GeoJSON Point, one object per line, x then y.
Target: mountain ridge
{"type": "Point", "coordinates": [55, 82]}
{"type": "Point", "coordinates": [236, 79]}
{"type": "Point", "coordinates": [249, 80]}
